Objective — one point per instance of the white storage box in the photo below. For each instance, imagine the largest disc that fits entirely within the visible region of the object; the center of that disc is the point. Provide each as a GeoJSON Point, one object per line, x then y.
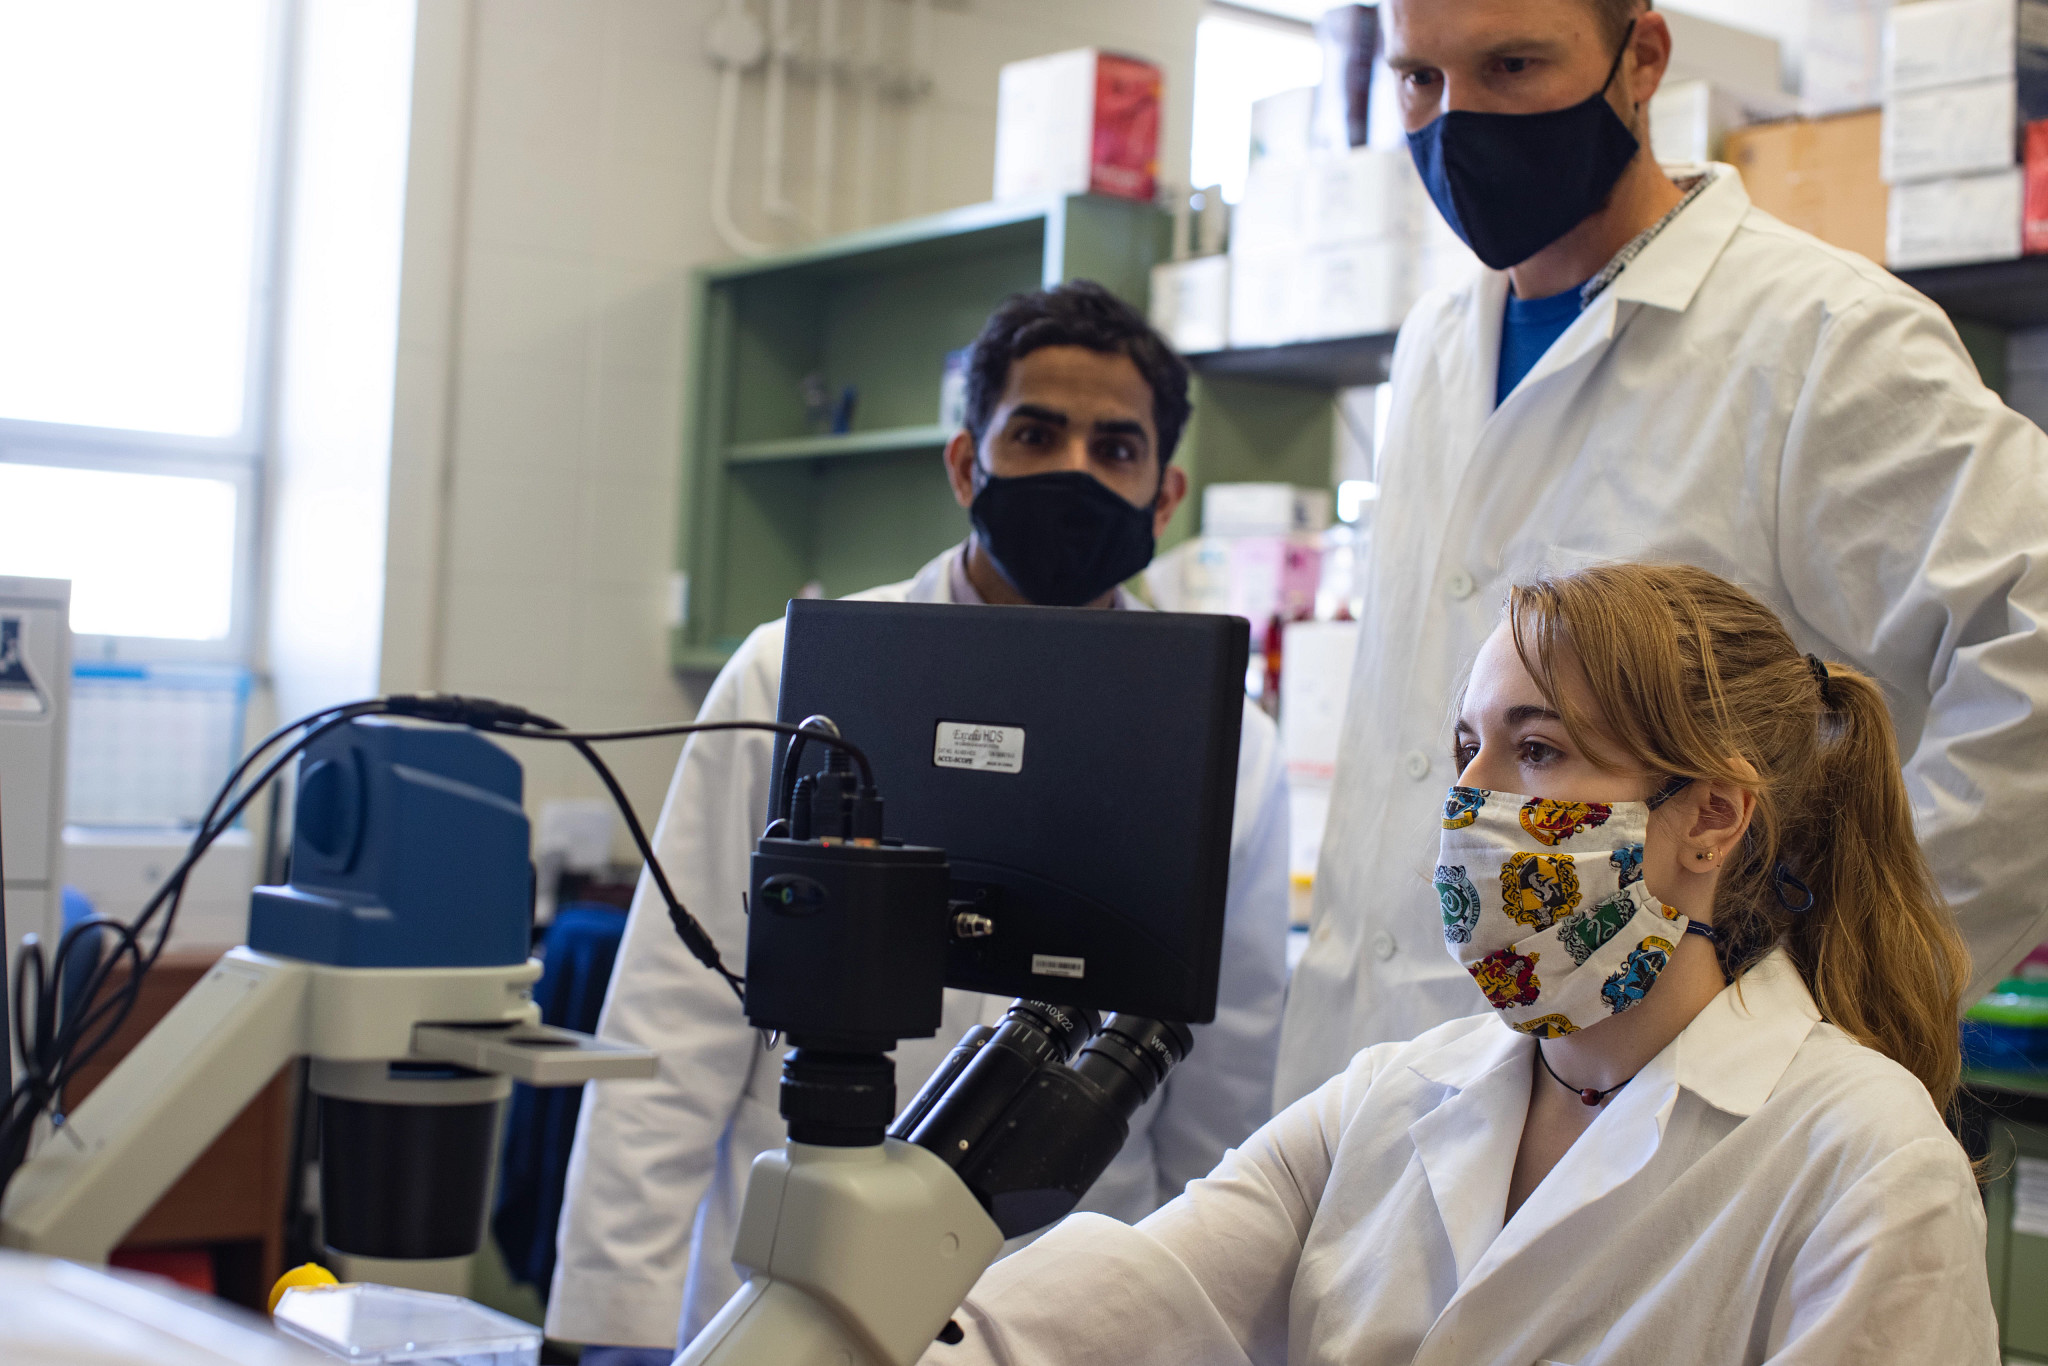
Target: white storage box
{"type": "Point", "coordinates": [1949, 222]}
{"type": "Point", "coordinates": [1367, 194]}
{"type": "Point", "coordinates": [1263, 509]}
{"type": "Point", "coordinates": [1949, 42]}
{"type": "Point", "coordinates": [1191, 303]}
{"type": "Point", "coordinates": [1358, 289]}
{"type": "Point", "coordinates": [1950, 131]}
{"type": "Point", "coordinates": [1265, 298]}
{"type": "Point", "coordinates": [1078, 122]}
{"type": "Point", "coordinates": [1841, 66]}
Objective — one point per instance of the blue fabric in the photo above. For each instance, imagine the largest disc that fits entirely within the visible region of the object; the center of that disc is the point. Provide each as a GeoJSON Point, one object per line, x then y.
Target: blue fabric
{"type": "Point", "coordinates": [1527, 331]}
{"type": "Point", "coordinates": [85, 951]}
{"type": "Point", "coordinates": [576, 955]}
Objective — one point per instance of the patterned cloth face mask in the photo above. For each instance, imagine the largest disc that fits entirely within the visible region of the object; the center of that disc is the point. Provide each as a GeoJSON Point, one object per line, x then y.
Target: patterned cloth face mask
{"type": "Point", "coordinates": [1544, 904]}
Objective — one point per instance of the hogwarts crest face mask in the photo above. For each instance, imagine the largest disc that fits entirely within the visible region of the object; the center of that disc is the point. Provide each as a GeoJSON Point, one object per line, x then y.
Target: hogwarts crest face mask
{"type": "Point", "coordinates": [1544, 904]}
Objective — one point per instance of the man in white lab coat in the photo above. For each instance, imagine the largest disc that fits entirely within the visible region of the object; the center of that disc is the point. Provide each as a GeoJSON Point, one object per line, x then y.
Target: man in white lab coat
{"type": "Point", "coordinates": [1074, 408]}
{"type": "Point", "coordinates": [1653, 368]}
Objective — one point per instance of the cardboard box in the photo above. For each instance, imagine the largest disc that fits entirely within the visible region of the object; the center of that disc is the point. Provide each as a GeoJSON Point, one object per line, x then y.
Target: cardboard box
{"type": "Point", "coordinates": [1949, 42]}
{"type": "Point", "coordinates": [1949, 131]}
{"type": "Point", "coordinates": [1952, 222]}
{"type": "Point", "coordinates": [1078, 122]}
{"type": "Point", "coordinates": [1191, 303]}
{"type": "Point", "coordinates": [1819, 175]}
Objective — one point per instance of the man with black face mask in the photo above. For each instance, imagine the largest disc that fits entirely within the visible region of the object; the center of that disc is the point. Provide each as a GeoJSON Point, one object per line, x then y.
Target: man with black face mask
{"type": "Point", "coordinates": [1653, 368]}
{"type": "Point", "coordinates": [1074, 407]}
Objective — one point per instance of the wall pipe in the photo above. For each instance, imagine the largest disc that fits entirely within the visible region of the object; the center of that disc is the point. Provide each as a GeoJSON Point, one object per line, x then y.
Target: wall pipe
{"type": "Point", "coordinates": [822, 112]}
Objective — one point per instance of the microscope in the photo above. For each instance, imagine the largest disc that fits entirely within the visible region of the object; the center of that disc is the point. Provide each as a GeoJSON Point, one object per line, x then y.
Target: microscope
{"type": "Point", "coordinates": [1074, 776]}
{"type": "Point", "coordinates": [1061, 786]}
{"type": "Point", "coordinates": [396, 961]}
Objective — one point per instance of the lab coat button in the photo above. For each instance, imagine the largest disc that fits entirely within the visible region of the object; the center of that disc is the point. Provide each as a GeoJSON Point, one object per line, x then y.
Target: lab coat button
{"type": "Point", "coordinates": [1460, 586]}
{"type": "Point", "coordinates": [1417, 764]}
{"type": "Point", "coordinates": [1382, 945]}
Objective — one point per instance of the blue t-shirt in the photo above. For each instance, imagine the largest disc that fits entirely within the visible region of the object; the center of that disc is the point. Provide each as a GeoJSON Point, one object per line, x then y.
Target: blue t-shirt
{"type": "Point", "coordinates": [1527, 331]}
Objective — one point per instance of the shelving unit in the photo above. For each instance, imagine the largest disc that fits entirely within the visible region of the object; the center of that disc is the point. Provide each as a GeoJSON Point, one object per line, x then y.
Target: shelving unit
{"type": "Point", "coordinates": [770, 505]}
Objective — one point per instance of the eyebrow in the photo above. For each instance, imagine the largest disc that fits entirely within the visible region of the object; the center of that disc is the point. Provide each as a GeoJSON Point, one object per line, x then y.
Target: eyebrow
{"type": "Point", "coordinates": [1053, 417]}
{"type": "Point", "coordinates": [1507, 47]}
{"type": "Point", "coordinates": [1514, 716]}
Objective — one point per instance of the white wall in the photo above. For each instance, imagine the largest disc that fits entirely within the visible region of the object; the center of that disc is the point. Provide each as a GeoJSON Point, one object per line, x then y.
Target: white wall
{"type": "Point", "coordinates": [556, 203]}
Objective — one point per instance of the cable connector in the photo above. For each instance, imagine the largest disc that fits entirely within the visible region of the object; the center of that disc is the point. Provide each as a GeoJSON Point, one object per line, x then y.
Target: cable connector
{"type": "Point", "coordinates": [481, 713]}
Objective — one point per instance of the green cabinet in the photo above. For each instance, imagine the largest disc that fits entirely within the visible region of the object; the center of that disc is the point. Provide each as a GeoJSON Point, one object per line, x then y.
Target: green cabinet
{"type": "Point", "coordinates": [769, 505]}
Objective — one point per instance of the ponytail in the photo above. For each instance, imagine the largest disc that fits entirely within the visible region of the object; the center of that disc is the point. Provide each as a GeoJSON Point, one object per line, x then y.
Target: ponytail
{"type": "Point", "coordinates": [1878, 948]}
{"type": "Point", "coordinates": [1695, 678]}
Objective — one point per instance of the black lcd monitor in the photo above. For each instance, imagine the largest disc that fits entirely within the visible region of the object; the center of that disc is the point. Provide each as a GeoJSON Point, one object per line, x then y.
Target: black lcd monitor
{"type": "Point", "coordinates": [1079, 768]}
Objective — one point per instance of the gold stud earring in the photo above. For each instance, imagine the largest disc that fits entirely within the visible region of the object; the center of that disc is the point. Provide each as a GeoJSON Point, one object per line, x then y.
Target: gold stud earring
{"type": "Point", "coordinates": [1705, 856]}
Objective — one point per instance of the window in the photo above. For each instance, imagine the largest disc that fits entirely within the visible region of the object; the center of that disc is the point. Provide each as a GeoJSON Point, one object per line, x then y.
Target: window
{"type": "Point", "coordinates": [137, 142]}
{"type": "Point", "coordinates": [1244, 53]}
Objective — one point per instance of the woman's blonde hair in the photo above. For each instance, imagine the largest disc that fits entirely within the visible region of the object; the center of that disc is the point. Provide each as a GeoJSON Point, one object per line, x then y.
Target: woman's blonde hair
{"type": "Point", "coordinates": [1695, 679]}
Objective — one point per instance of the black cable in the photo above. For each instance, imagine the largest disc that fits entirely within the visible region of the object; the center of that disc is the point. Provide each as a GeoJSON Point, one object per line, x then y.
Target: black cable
{"type": "Point", "coordinates": [55, 1046]}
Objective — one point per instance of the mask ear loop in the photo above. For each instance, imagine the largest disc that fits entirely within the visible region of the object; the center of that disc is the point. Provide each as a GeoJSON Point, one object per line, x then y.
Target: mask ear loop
{"type": "Point", "coordinates": [1787, 883]}
{"type": "Point", "coordinates": [1672, 787]}
{"type": "Point", "coordinates": [1615, 70]}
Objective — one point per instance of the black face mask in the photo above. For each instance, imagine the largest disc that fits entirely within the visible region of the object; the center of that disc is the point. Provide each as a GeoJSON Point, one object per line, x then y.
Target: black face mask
{"type": "Point", "coordinates": [1511, 184]}
{"type": "Point", "coordinates": [1061, 539]}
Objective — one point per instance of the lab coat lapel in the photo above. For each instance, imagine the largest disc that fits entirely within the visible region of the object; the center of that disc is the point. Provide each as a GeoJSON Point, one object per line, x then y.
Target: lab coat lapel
{"type": "Point", "coordinates": [1619, 1144]}
{"type": "Point", "coordinates": [1467, 1144]}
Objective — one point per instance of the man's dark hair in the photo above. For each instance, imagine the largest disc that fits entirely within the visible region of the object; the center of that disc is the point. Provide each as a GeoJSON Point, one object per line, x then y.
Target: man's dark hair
{"type": "Point", "coordinates": [1078, 313]}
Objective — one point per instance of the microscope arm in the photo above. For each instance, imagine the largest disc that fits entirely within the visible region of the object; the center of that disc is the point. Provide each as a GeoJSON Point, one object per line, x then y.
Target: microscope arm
{"type": "Point", "coordinates": [120, 1150]}
{"type": "Point", "coordinates": [857, 1257]}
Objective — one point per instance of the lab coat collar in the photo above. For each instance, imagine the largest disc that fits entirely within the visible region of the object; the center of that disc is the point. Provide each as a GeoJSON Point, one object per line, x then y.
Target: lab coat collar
{"type": "Point", "coordinates": [1668, 271]}
{"type": "Point", "coordinates": [1731, 1056]}
{"type": "Point", "coordinates": [1735, 1052]}
{"type": "Point", "coordinates": [945, 580]}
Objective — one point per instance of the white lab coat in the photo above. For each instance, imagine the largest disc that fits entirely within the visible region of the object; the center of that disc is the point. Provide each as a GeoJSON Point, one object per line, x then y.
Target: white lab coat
{"type": "Point", "coordinates": [1748, 399]}
{"type": "Point", "coordinates": [659, 1167]}
{"type": "Point", "coordinates": [1766, 1189]}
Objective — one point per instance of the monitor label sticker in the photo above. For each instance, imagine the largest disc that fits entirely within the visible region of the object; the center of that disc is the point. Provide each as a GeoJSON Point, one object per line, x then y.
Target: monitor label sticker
{"type": "Point", "coordinates": [1052, 965]}
{"type": "Point", "coordinates": [979, 746]}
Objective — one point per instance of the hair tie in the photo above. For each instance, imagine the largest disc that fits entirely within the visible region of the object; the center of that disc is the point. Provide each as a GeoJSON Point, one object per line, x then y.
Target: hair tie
{"type": "Point", "coordinates": [1788, 883]}
{"type": "Point", "coordinates": [1820, 676]}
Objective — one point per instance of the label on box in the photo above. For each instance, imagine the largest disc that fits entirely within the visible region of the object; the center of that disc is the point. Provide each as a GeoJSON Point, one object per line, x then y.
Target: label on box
{"type": "Point", "coordinates": [2030, 1197]}
{"type": "Point", "coordinates": [1053, 965]}
{"type": "Point", "coordinates": [979, 746]}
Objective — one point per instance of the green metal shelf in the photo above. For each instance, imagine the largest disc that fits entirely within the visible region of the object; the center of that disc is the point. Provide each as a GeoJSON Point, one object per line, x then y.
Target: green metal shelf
{"type": "Point", "coordinates": [889, 441]}
{"type": "Point", "coordinates": [767, 512]}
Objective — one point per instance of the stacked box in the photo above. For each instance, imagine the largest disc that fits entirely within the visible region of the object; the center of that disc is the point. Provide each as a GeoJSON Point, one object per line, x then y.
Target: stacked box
{"type": "Point", "coordinates": [1081, 122]}
{"type": "Point", "coordinates": [1819, 175]}
{"type": "Point", "coordinates": [1841, 66]}
{"type": "Point", "coordinates": [1334, 246]}
{"type": "Point", "coordinates": [1955, 98]}
{"type": "Point", "coordinates": [1191, 303]}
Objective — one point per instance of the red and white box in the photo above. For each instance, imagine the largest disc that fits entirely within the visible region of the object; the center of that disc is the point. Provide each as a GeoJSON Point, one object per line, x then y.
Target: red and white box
{"type": "Point", "coordinates": [2034, 216]}
{"type": "Point", "coordinates": [1080, 122]}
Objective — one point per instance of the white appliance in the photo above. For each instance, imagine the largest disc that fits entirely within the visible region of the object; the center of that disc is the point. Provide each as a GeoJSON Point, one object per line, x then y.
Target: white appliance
{"type": "Point", "coordinates": [35, 674]}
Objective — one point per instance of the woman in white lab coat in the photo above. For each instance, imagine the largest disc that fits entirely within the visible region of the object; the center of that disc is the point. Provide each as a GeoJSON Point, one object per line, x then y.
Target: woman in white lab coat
{"type": "Point", "coordinates": [1703, 1122]}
